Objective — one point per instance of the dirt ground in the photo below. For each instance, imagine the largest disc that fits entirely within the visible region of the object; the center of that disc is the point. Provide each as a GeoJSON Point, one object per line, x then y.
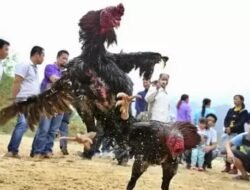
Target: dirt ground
{"type": "Point", "coordinates": [72, 172]}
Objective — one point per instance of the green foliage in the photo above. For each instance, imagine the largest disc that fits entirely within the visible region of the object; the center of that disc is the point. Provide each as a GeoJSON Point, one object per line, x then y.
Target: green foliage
{"type": "Point", "coordinates": [9, 63]}
{"type": "Point", "coordinates": [5, 94]}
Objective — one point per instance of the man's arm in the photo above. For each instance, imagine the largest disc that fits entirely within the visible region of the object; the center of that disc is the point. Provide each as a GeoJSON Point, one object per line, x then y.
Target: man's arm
{"type": "Point", "coordinates": [150, 96]}
{"type": "Point", "coordinates": [230, 155]}
{"type": "Point", "coordinates": [21, 71]}
{"type": "Point", "coordinates": [213, 143]}
{"type": "Point", "coordinates": [16, 85]}
{"type": "Point", "coordinates": [226, 120]}
{"type": "Point", "coordinates": [50, 73]}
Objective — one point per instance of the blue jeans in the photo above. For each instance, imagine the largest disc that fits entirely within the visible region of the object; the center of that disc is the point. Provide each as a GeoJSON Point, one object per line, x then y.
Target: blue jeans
{"type": "Point", "coordinates": [198, 156]}
{"type": "Point", "coordinates": [64, 130]}
{"type": "Point", "coordinates": [44, 139]}
{"type": "Point", "coordinates": [17, 135]}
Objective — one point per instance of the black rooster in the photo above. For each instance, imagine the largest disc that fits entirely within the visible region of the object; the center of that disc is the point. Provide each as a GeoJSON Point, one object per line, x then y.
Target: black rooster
{"type": "Point", "coordinates": [92, 80]}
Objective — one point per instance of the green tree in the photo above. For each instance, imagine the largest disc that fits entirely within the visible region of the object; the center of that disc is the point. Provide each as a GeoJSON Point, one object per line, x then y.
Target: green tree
{"type": "Point", "coordinates": [9, 64]}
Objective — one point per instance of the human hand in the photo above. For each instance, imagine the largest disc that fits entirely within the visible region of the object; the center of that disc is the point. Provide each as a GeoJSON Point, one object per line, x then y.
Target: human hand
{"type": "Point", "coordinates": [207, 149]}
{"type": "Point", "coordinates": [158, 85]}
{"type": "Point", "coordinates": [138, 96]}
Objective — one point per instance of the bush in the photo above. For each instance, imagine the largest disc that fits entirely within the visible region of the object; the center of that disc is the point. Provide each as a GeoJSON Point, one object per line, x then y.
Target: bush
{"type": "Point", "coordinates": [5, 95]}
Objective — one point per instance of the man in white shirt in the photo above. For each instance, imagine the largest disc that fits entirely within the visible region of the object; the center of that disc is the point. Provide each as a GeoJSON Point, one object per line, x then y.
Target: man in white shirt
{"type": "Point", "coordinates": [26, 83]}
{"type": "Point", "coordinates": [4, 51]}
{"type": "Point", "coordinates": [158, 101]}
{"type": "Point", "coordinates": [211, 148]}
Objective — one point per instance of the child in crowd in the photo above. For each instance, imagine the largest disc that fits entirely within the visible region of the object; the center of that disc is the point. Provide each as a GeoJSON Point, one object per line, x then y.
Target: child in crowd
{"type": "Point", "coordinates": [198, 153]}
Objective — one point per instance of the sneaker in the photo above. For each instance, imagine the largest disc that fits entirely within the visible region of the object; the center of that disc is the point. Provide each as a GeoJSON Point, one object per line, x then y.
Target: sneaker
{"type": "Point", "coordinates": [12, 155]}
{"type": "Point", "coordinates": [64, 151]}
{"type": "Point", "coordinates": [48, 155]}
{"type": "Point", "coordinates": [188, 166]}
{"type": "Point", "coordinates": [37, 156]}
{"type": "Point", "coordinates": [200, 169]}
{"type": "Point", "coordinates": [209, 166]}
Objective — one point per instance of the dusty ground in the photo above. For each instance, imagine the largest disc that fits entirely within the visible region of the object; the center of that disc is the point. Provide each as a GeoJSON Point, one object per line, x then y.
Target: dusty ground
{"type": "Point", "coordinates": [71, 172]}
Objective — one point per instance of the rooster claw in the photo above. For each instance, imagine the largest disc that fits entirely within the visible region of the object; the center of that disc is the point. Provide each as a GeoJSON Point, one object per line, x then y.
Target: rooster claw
{"type": "Point", "coordinates": [124, 103]}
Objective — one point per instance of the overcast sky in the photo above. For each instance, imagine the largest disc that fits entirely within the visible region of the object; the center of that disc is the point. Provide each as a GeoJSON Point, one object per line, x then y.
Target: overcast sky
{"type": "Point", "coordinates": [207, 41]}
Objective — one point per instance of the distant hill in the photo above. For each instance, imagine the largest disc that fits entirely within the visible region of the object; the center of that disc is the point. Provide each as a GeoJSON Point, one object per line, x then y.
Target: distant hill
{"type": "Point", "coordinates": [221, 112]}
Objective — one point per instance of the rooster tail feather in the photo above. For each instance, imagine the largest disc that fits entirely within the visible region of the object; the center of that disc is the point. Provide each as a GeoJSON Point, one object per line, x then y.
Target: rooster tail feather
{"type": "Point", "coordinates": [56, 100]}
{"type": "Point", "coordinates": [7, 113]}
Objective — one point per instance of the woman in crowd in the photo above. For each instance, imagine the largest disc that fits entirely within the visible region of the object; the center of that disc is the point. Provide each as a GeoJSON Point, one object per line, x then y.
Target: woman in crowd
{"type": "Point", "coordinates": [234, 124]}
{"type": "Point", "coordinates": [204, 111]}
{"type": "Point", "coordinates": [183, 109]}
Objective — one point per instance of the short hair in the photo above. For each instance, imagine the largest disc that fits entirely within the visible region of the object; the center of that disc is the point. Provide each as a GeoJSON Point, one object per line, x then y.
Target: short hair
{"type": "Point", "coordinates": [213, 116]}
{"type": "Point", "coordinates": [3, 42]}
{"type": "Point", "coordinates": [203, 120]}
{"type": "Point", "coordinates": [36, 50]}
{"type": "Point", "coordinates": [62, 52]}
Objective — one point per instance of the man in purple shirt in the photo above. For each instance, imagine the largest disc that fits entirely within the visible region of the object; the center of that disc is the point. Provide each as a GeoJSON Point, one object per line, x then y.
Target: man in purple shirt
{"type": "Point", "coordinates": [183, 109]}
{"type": "Point", "coordinates": [140, 102]}
{"type": "Point", "coordinates": [52, 74]}
{"type": "Point", "coordinates": [45, 135]}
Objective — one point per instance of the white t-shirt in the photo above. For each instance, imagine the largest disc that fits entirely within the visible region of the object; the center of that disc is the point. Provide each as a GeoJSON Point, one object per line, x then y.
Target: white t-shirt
{"type": "Point", "coordinates": [203, 134]}
{"type": "Point", "coordinates": [159, 106]}
{"type": "Point", "coordinates": [212, 136]}
{"type": "Point", "coordinates": [30, 85]}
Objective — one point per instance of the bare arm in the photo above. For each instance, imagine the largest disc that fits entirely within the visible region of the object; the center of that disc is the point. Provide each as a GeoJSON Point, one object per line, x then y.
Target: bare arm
{"type": "Point", "coordinates": [230, 155]}
{"type": "Point", "coordinates": [16, 85]}
{"type": "Point", "coordinates": [150, 96]}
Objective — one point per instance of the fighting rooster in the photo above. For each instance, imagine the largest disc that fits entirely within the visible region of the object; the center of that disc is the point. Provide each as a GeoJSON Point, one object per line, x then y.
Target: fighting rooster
{"type": "Point", "coordinates": [157, 143]}
{"type": "Point", "coordinates": [92, 80]}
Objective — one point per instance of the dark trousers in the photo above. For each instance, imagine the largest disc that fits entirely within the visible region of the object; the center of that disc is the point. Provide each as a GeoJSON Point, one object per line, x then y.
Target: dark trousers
{"type": "Point", "coordinates": [187, 157]}
{"type": "Point", "coordinates": [208, 159]}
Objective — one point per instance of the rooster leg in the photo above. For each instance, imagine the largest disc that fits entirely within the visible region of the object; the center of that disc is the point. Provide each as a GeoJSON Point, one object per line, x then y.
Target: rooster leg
{"type": "Point", "coordinates": [139, 167]}
{"type": "Point", "coordinates": [169, 169]}
{"type": "Point", "coordinates": [124, 104]}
